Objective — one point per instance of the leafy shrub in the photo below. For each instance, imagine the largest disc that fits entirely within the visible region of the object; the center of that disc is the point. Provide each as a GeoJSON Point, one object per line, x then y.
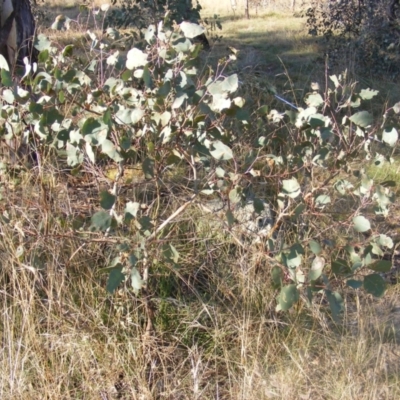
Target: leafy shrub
{"type": "Point", "coordinates": [141, 14]}
{"type": "Point", "coordinates": [364, 32]}
{"type": "Point", "coordinates": [160, 108]}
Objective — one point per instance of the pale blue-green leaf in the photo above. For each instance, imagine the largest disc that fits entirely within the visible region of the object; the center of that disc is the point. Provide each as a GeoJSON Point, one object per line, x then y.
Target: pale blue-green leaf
{"type": "Point", "coordinates": [110, 149]}
{"type": "Point", "coordinates": [322, 200]}
{"type": "Point", "coordinates": [221, 151]}
{"type": "Point", "coordinates": [131, 210]}
{"type": "Point", "coordinates": [231, 83]}
{"type": "Point", "coordinates": [113, 34]}
{"type": "Point", "coordinates": [150, 33]}
{"type": "Point", "coordinates": [316, 268]}
{"type": "Point", "coordinates": [136, 58]}
{"type": "Point", "coordinates": [368, 94]}
{"type": "Point", "coordinates": [75, 136]}
{"type": "Point", "coordinates": [220, 102]}
{"type": "Point", "coordinates": [314, 100]}
{"type": "Point", "coordinates": [179, 100]}
{"type": "Point", "coordinates": [166, 134]}
{"type": "Point", "coordinates": [342, 186]}
{"type": "Point", "coordinates": [385, 241]}
{"type": "Point", "coordinates": [288, 296]}
{"type": "Point", "coordinates": [362, 118]}
{"type": "Point", "coordinates": [136, 115]}
{"type": "Point", "coordinates": [74, 155]}
{"type": "Point", "coordinates": [390, 136]}
{"type": "Point", "coordinates": [315, 247]}
{"type": "Point", "coordinates": [100, 221]}
{"type": "Point", "coordinates": [165, 118]}
{"type": "Point", "coordinates": [191, 30]}
{"type": "Point", "coordinates": [361, 224]}
{"type": "Point", "coordinates": [335, 80]}
{"type": "Point", "coordinates": [228, 85]}
{"type": "Point", "coordinates": [90, 152]}
{"type": "Point", "coordinates": [136, 280]}
{"type": "Point", "coordinates": [182, 45]}
{"type": "Point", "coordinates": [123, 116]}
{"type": "Point", "coordinates": [42, 43]}
{"type": "Point", "coordinates": [291, 187]}
{"type": "Point", "coordinates": [235, 195]}
{"type": "Point", "coordinates": [7, 95]}
{"type": "Point", "coordinates": [4, 63]}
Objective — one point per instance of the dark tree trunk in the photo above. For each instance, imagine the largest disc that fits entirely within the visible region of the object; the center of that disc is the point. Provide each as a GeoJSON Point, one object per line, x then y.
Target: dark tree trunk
{"type": "Point", "coordinates": [17, 29]}
{"type": "Point", "coordinates": [246, 9]}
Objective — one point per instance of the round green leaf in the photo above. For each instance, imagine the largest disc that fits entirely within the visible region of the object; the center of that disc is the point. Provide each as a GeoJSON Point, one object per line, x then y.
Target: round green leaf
{"type": "Point", "coordinates": [390, 136]}
{"type": "Point", "coordinates": [191, 30]}
{"type": "Point", "coordinates": [361, 224]}
{"type": "Point", "coordinates": [291, 187]}
{"type": "Point", "coordinates": [131, 210]}
{"type": "Point", "coordinates": [315, 247]}
{"type": "Point", "coordinates": [221, 151]}
{"type": "Point", "coordinates": [4, 63]}
{"type": "Point", "coordinates": [375, 285]}
{"type": "Point", "coordinates": [381, 266]}
{"type": "Point", "coordinates": [353, 283]}
{"type": "Point", "coordinates": [6, 78]}
{"type": "Point", "coordinates": [288, 296]}
{"type": "Point", "coordinates": [109, 148]}
{"type": "Point", "coordinates": [340, 267]}
{"type": "Point", "coordinates": [362, 119]}
{"type": "Point", "coordinates": [335, 303]}
{"type": "Point", "coordinates": [101, 221]}
{"type": "Point", "coordinates": [107, 200]}
{"type": "Point", "coordinates": [235, 195]}
{"type": "Point", "coordinates": [258, 205]}
{"type": "Point", "coordinates": [385, 241]}
{"type": "Point", "coordinates": [135, 58]}
{"type": "Point", "coordinates": [322, 200]}
{"type": "Point", "coordinates": [114, 279]}
{"type": "Point", "coordinates": [314, 100]}
{"type": "Point", "coordinates": [136, 280]}
{"type": "Point", "coordinates": [316, 268]}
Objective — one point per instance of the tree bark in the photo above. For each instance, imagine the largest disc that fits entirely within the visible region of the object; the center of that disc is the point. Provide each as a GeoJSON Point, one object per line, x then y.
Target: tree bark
{"type": "Point", "coordinates": [17, 29]}
{"type": "Point", "coordinates": [246, 9]}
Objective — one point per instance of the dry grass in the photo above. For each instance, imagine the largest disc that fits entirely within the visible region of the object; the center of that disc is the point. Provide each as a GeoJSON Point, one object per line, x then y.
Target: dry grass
{"type": "Point", "coordinates": [216, 334]}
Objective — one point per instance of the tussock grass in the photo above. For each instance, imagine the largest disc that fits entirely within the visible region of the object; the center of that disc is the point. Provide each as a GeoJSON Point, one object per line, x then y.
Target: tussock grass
{"type": "Point", "coordinates": [216, 334]}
